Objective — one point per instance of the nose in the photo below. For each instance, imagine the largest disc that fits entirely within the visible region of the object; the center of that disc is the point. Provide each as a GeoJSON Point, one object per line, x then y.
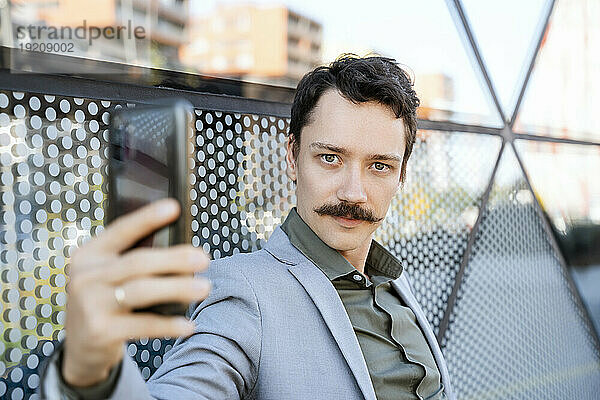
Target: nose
{"type": "Point", "coordinates": [352, 188]}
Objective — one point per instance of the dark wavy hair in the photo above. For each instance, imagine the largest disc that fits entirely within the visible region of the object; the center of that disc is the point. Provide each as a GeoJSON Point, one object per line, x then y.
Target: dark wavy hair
{"type": "Point", "coordinates": [359, 80]}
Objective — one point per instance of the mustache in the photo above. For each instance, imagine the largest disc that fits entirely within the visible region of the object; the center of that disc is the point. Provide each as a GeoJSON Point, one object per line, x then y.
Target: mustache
{"type": "Point", "coordinates": [348, 210]}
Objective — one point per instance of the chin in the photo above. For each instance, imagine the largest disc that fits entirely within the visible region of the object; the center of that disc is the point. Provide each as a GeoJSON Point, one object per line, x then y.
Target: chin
{"type": "Point", "coordinates": [342, 239]}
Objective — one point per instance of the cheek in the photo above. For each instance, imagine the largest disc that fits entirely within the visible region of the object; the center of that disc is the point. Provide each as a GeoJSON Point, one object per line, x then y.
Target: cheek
{"type": "Point", "coordinates": [313, 182]}
{"type": "Point", "coordinates": [315, 189]}
{"type": "Point", "coordinates": [381, 195]}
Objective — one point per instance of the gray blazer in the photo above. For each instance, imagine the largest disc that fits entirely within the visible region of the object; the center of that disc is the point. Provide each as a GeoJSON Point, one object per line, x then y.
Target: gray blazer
{"type": "Point", "coordinates": [273, 327]}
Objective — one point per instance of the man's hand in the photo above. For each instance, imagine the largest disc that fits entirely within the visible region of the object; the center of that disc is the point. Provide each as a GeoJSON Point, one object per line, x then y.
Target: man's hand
{"type": "Point", "coordinates": [96, 325]}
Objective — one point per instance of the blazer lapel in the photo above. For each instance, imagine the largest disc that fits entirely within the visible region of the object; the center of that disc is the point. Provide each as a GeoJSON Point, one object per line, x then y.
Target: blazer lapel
{"type": "Point", "coordinates": [326, 299]}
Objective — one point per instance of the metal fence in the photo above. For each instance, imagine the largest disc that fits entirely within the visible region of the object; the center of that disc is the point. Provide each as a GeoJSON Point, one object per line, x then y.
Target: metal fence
{"type": "Point", "coordinates": [467, 227]}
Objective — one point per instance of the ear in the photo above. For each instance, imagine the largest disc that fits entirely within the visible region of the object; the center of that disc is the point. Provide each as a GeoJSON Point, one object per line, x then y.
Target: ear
{"type": "Point", "coordinates": [290, 159]}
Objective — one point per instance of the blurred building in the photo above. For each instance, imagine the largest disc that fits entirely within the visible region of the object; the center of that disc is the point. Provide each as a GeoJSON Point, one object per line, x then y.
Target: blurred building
{"type": "Point", "coordinates": [333, 47]}
{"type": "Point", "coordinates": [230, 41]}
{"type": "Point", "coordinates": [436, 92]}
{"type": "Point", "coordinates": [163, 23]}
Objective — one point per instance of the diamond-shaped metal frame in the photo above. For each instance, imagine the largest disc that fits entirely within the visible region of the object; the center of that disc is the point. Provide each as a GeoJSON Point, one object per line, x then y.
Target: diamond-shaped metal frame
{"type": "Point", "coordinates": [508, 136]}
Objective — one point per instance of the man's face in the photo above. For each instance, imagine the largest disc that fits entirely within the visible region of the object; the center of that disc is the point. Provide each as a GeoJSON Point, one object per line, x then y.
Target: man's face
{"type": "Point", "coordinates": [347, 169]}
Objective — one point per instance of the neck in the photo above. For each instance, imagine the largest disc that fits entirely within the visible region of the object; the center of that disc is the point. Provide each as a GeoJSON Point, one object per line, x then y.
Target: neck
{"type": "Point", "coordinates": [358, 257]}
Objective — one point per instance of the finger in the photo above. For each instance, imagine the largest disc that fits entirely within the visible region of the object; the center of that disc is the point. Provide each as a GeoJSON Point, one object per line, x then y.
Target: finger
{"type": "Point", "coordinates": [136, 326]}
{"type": "Point", "coordinates": [140, 262]}
{"type": "Point", "coordinates": [139, 293]}
{"type": "Point", "coordinates": [128, 229]}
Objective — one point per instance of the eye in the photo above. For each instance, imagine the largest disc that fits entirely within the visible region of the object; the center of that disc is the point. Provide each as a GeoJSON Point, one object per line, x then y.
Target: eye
{"type": "Point", "coordinates": [329, 158]}
{"type": "Point", "coordinates": [381, 167]}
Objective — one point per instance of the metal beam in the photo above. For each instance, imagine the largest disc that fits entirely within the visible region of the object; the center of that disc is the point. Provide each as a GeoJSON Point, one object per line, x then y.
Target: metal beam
{"type": "Point", "coordinates": [448, 126]}
{"type": "Point", "coordinates": [551, 139]}
{"type": "Point", "coordinates": [112, 91]}
{"type": "Point", "coordinates": [33, 64]}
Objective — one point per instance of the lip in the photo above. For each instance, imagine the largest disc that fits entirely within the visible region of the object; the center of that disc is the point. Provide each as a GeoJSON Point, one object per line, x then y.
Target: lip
{"type": "Point", "coordinates": [347, 222]}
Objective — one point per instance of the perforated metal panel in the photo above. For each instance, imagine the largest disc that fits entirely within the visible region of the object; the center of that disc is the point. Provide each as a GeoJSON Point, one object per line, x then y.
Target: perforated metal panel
{"type": "Point", "coordinates": [517, 331]}
{"type": "Point", "coordinates": [52, 177]}
{"type": "Point", "coordinates": [53, 170]}
{"type": "Point", "coordinates": [241, 190]}
{"type": "Point", "coordinates": [429, 221]}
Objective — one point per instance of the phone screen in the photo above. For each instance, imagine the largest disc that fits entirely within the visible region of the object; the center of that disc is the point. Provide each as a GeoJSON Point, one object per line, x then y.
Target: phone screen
{"type": "Point", "coordinates": [141, 162]}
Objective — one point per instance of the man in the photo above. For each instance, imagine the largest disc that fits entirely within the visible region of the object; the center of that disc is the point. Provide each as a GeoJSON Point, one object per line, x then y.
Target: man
{"type": "Point", "coordinates": [322, 312]}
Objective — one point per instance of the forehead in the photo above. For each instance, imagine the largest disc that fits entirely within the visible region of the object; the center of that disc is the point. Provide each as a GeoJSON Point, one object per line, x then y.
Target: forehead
{"type": "Point", "coordinates": [362, 128]}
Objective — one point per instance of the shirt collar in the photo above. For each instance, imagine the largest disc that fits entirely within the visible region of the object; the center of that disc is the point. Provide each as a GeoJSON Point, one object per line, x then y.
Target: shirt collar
{"type": "Point", "coordinates": [330, 261]}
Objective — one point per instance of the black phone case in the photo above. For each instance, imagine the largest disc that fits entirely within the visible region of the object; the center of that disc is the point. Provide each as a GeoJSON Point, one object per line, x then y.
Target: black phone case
{"type": "Point", "coordinates": [162, 115]}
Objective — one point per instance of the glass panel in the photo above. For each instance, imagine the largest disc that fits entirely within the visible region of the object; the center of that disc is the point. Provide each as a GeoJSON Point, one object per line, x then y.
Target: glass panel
{"type": "Point", "coordinates": [517, 331]}
{"type": "Point", "coordinates": [564, 177]}
{"type": "Point", "coordinates": [277, 44]}
{"type": "Point", "coordinates": [507, 33]}
{"type": "Point", "coordinates": [563, 96]}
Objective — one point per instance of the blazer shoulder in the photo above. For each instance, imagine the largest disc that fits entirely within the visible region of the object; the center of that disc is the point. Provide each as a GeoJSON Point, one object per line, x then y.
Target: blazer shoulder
{"type": "Point", "coordinates": [256, 262]}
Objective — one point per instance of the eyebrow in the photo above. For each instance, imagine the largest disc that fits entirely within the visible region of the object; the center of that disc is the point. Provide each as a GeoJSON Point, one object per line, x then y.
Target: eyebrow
{"type": "Point", "coordinates": [330, 147]}
{"type": "Point", "coordinates": [343, 151]}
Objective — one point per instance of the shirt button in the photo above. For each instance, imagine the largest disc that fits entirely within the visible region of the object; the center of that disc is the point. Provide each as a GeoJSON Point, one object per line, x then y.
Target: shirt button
{"type": "Point", "coordinates": [357, 277]}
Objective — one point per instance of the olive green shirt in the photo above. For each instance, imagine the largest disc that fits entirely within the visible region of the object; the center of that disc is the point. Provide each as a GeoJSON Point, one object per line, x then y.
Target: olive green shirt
{"type": "Point", "coordinates": [395, 350]}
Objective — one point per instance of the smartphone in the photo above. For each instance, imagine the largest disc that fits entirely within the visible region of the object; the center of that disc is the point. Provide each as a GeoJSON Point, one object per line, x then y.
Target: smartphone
{"type": "Point", "coordinates": [148, 160]}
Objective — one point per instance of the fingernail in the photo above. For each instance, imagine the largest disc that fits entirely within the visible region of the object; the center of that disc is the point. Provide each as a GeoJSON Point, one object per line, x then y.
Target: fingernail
{"type": "Point", "coordinates": [167, 207]}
